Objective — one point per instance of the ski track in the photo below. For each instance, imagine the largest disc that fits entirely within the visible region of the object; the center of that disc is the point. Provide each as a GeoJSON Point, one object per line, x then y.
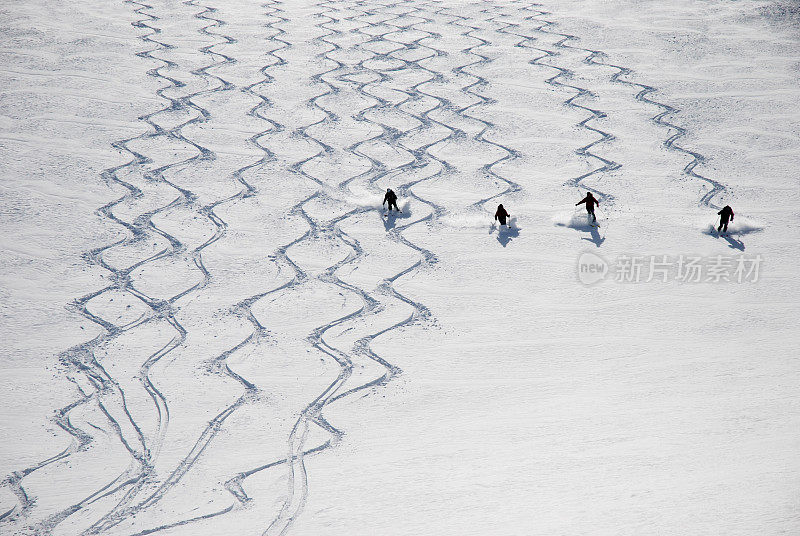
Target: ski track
{"type": "Point", "coordinates": [143, 225]}
{"type": "Point", "coordinates": [472, 89]}
{"type": "Point", "coordinates": [96, 386]}
{"type": "Point", "coordinates": [645, 90]}
{"type": "Point", "coordinates": [580, 92]}
{"type": "Point", "coordinates": [241, 309]}
{"type": "Point", "coordinates": [298, 484]}
{"type": "Point", "coordinates": [123, 510]}
{"type": "Point", "coordinates": [642, 96]}
{"type": "Point", "coordinates": [82, 357]}
{"type": "Point", "coordinates": [312, 413]}
{"type": "Point", "coordinates": [293, 505]}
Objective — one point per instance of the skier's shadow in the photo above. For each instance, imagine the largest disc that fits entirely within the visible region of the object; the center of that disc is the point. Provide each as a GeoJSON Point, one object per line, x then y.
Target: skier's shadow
{"type": "Point", "coordinates": [583, 226]}
{"type": "Point", "coordinates": [390, 220]}
{"type": "Point", "coordinates": [596, 239]}
{"type": "Point", "coordinates": [504, 234]}
{"type": "Point", "coordinates": [733, 243]}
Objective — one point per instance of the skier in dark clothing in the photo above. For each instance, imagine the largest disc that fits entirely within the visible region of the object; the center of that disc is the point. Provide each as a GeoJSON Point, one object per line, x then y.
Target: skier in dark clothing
{"type": "Point", "coordinates": [590, 203]}
{"type": "Point", "coordinates": [391, 197]}
{"type": "Point", "coordinates": [501, 215]}
{"type": "Point", "coordinates": [724, 215]}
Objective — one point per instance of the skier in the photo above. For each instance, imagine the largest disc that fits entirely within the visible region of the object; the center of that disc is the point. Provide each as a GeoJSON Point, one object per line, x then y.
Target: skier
{"type": "Point", "coordinates": [391, 197]}
{"type": "Point", "coordinates": [501, 215]}
{"type": "Point", "coordinates": [590, 203]}
{"type": "Point", "coordinates": [724, 215]}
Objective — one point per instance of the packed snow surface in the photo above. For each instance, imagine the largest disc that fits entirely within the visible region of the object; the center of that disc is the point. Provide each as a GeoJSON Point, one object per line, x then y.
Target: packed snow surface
{"type": "Point", "coordinates": [210, 324]}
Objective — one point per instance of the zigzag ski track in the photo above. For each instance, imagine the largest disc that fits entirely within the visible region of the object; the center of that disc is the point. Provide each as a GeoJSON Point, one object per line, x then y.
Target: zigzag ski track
{"type": "Point", "coordinates": [254, 289]}
{"type": "Point", "coordinates": [592, 58]}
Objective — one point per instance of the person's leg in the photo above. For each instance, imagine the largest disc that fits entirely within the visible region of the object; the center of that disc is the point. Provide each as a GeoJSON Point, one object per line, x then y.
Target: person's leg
{"type": "Point", "coordinates": [725, 227]}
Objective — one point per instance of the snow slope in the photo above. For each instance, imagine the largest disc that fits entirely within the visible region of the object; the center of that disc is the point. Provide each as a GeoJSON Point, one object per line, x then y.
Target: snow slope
{"type": "Point", "coordinates": [250, 346]}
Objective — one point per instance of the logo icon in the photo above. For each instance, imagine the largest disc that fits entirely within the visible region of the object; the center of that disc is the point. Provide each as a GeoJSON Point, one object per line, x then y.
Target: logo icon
{"type": "Point", "coordinates": [592, 268]}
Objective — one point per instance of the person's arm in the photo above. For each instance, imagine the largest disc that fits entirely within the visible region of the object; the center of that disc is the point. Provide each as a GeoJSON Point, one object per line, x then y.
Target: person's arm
{"type": "Point", "coordinates": [581, 201]}
{"type": "Point", "coordinates": [731, 215]}
{"type": "Point", "coordinates": [385, 197]}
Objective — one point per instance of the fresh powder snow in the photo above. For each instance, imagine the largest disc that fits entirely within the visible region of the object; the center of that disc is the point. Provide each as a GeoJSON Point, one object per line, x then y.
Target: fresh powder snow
{"type": "Point", "coordinates": [211, 325]}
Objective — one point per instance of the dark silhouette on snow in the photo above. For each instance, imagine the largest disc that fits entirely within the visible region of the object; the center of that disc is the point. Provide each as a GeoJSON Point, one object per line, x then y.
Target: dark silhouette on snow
{"type": "Point", "coordinates": [733, 243]}
{"type": "Point", "coordinates": [501, 215]}
{"type": "Point", "coordinates": [724, 215]}
{"type": "Point", "coordinates": [391, 198]}
{"type": "Point", "coordinates": [590, 203]}
{"type": "Point", "coordinates": [504, 236]}
{"type": "Point", "coordinates": [596, 239]}
{"type": "Point", "coordinates": [390, 220]}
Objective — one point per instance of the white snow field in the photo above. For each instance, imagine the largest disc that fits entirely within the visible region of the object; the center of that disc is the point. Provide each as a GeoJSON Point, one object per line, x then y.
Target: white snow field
{"type": "Point", "coordinates": [209, 326]}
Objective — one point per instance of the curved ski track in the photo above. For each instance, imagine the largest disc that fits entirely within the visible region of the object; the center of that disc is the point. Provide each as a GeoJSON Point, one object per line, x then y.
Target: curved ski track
{"type": "Point", "coordinates": [472, 89]}
{"type": "Point", "coordinates": [243, 308]}
{"type": "Point", "coordinates": [312, 414]}
{"type": "Point", "coordinates": [659, 119]}
{"type": "Point", "coordinates": [96, 385]}
{"type": "Point", "coordinates": [644, 90]}
{"type": "Point", "coordinates": [298, 487]}
{"type": "Point", "coordinates": [82, 358]}
{"type": "Point", "coordinates": [585, 151]}
{"type": "Point", "coordinates": [219, 364]}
